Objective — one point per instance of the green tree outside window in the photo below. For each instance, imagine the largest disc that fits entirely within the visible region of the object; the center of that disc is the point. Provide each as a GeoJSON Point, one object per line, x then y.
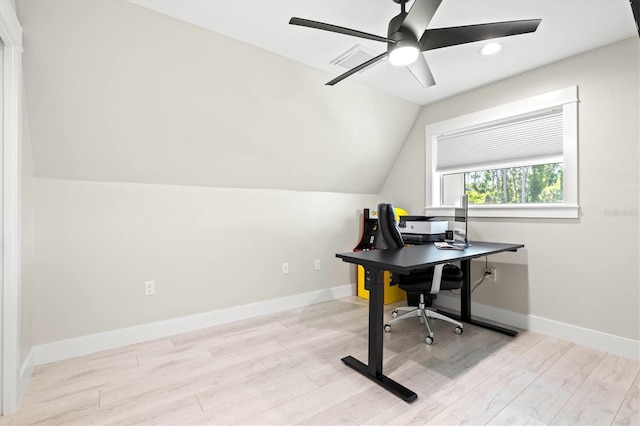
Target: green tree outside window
{"type": "Point", "coordinates": [516, 185]}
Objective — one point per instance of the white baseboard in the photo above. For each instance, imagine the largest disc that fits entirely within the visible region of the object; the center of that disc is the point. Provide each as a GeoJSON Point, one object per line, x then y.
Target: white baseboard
{"type": "Point", "coordinates": [69, 348]}
{"type": "Point", "coordinates": [26, 370]}
{"type": "Point", "coordinates": [594, 339]}
{"type": "Point", "coordinates": [64, 349]}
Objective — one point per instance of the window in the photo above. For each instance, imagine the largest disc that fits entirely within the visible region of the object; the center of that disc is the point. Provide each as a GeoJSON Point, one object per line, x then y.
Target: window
{"type": "Point", "coordinates": [541, 183]}
{"type": "Point", "coordinates": [515, 160]}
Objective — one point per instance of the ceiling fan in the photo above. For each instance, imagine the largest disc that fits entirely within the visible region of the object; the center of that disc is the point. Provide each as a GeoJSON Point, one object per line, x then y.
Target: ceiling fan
{"type": "Point", "coordinates": [408, 35]}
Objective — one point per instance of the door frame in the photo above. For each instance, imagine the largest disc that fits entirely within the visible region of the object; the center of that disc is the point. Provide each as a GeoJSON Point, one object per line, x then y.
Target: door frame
{"type": "Point", "coordinates": [11, 35]}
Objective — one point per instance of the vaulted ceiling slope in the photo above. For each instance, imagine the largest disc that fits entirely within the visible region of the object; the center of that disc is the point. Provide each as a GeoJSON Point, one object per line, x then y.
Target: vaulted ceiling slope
{"type": "Point", "coordinates": [117, 92]}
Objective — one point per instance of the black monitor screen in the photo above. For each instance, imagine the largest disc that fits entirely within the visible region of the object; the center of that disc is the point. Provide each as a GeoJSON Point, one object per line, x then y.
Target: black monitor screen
{"type": "Point", "coordinates": [461, 220]}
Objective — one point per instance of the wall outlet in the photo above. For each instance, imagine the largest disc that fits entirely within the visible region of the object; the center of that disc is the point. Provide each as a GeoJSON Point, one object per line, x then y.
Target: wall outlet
{"type": "Point", "coordinates": [149, 288]}
{"type": "Point", "coordinates": [285, 268]}
{"type": "Point", "coordinates": [492, 274]}
{"type": "Point", "coordinates": [316, 265]}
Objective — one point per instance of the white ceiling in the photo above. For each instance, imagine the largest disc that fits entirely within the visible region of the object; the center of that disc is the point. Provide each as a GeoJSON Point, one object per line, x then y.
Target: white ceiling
{"type": "Point", "coordinates": [568, 27]}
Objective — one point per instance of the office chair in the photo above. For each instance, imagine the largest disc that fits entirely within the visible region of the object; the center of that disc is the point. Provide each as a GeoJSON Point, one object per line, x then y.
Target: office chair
{"type": "Point", "coordinates": [424, 281]}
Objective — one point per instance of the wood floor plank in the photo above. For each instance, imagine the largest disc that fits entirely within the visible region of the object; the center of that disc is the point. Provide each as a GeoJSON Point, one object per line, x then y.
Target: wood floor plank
{"type": "Point", "coordinates": [45, 380]}
{"type": "Point", "coordinates": [262, 399]}
{"type": "Point", "coordinates": [356, 409]}
{"type": "Point", "coordinates": [543, 354]}
{"type": "Point", "coordinates": [226, 329]}
{"type": "Point", "coordinates": [54, 411]}
{"type": "Point", "coordinates": [601, 395]}
{"type": "Point", "coordinates": [401, 413]}
{"type": "Point", "coordinates": [300, 408]}
{"type": "Point", "coordinates": [629, 412]}
{"type": "Point", "coordinates": [256, 334]}
{"type": "Point", "coordinates": [175, 356]}
{"type": "Point", "coordinates": [186, 381]}
{"type": "Point", "coordinates": [172, 412]}
{"type": "Point", "coordinates": [511, 416]}
{"type": "Point", "coordinates": [557, 384]}
{"type": "Point", "coordinates": [138, 409]}
{"type": "Point", "coordinates": [488, 399]}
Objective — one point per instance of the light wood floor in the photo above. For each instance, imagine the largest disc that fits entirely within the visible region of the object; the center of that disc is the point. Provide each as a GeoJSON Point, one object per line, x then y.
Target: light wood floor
{"type": "Point", "coordinates": [285, 368]}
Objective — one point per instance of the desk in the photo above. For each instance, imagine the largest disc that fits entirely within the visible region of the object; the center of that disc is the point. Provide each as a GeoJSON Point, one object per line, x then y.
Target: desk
{"type": "Point", "coordinates": [404, 260]}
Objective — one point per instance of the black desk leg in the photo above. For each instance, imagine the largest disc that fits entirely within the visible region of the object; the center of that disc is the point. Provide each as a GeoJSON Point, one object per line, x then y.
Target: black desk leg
{"type": "Point", "coordinates": [373, 371]}
{"type": "Point", "coordinates": [465, 303]}
{"type": "Point", "coordinates": [465, 293]}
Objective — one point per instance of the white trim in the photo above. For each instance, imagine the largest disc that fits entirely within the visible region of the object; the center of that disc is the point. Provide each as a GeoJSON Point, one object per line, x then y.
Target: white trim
{"type": "Point", "coordinates": [622, 346]}
{"type": "Point", "coordinates": [567, 98]}
{"type": "Point", "coordinates": [11, 35]}
{"type": "Point", "coordinates": [69, 348]}
{"type": "Point", "coordinates": [570, 152]}
{"type": "Point", "coordinates": [558, 211]}
{"type": "Point", "coordinates": [502, 112]}
{"type": "Point", "coordinates": [26, 371]}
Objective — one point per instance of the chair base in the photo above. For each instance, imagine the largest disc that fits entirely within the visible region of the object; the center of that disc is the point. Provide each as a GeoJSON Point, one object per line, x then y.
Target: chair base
{"type": "Point", "coordinates": [424, 314]}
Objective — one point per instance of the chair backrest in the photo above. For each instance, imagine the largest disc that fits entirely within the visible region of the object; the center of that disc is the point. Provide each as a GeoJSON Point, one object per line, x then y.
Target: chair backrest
{"type": "Point", "coordinates": [388, 226]}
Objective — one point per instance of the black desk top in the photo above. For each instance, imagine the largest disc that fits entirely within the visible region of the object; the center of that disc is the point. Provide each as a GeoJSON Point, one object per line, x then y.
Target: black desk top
{"type": "Point", "coordinates": [410, 258]}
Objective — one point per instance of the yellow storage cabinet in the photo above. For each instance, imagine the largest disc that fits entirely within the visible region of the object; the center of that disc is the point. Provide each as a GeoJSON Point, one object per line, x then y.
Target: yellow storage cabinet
{"type": "Point", "coordinates": [391, 293]}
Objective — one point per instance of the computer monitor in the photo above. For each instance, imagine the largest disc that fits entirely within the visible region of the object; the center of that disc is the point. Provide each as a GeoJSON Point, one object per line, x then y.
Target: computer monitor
{"type": "Point", "coordinates": [461, 222]}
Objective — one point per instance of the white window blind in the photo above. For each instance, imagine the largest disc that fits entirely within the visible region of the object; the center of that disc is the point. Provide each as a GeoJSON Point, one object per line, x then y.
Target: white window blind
{"type": "Point", "coordinates": [526, 140]}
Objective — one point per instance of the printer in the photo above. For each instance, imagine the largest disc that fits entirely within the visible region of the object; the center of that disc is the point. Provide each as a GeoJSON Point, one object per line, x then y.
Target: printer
{"type": "Point", "coordinates": [422, 229]}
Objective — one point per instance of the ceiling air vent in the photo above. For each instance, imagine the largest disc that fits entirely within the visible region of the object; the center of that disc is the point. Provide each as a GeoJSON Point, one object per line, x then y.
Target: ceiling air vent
{"type": "Point", "coordinates": [355, 56]}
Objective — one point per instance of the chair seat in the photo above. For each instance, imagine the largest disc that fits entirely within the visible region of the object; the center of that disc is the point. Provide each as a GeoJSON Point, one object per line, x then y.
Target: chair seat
{"type": "Point", "coordinates": [420, 281]}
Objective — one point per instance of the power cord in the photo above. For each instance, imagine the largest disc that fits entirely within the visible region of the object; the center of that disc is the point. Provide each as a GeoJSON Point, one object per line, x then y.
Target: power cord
{"type": "Point", "coordinates": [476, 284]}
{"type": "Point", "coordinates": [485, 275]}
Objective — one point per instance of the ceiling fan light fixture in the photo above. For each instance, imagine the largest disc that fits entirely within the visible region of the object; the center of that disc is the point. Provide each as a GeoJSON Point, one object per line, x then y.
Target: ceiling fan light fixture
{"type": "Point", "coordinates": [404, 52]}
{"type": "Point", "coordinates": [491, 49]}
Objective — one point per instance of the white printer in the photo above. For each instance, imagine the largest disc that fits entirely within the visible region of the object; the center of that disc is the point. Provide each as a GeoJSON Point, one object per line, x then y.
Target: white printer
{"type": "Point", "coordinates": [418, 229]}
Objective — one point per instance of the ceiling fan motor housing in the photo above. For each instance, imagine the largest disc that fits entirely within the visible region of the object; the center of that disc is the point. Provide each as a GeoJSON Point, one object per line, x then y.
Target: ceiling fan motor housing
{"type": "Point", "coordinates": [401, 42]}
{"type": "Point", "coordinates": [397, 32]}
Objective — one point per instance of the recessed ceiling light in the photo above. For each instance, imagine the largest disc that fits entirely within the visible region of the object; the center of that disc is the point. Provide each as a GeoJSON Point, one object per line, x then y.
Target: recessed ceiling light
{"type": "Point", "coordinates": [491, 48]}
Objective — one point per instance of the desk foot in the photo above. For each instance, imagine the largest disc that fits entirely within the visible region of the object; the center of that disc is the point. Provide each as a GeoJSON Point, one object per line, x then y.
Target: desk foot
{"type": "Point", "coordinates": [499, 329]}
{"type": "Point", "coordinates": [392, 386]}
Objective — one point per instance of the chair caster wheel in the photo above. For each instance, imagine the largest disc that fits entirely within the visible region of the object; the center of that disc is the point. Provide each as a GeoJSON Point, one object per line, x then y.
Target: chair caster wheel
{"type": "Point", "coordinates": [428, 340]}
{"type": "Point", "coordinates": [387, 328]}
{"type": "Point", "coordinates": [458, 330]}
{"type": "Point", "coordinates": [394, 314]}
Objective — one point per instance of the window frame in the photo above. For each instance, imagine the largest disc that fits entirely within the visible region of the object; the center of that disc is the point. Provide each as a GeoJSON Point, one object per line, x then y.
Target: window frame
{"type": "Point", "coordinates": [566, 99]}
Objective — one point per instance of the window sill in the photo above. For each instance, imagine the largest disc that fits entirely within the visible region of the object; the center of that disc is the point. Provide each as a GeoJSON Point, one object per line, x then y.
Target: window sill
{"type": "Point", "coordinates": [538, 211]}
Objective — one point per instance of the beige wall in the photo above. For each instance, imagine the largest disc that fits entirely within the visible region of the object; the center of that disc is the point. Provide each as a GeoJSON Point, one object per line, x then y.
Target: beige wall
{"type": "Point", "coordinates": [120, 93]}
{"type": "Point", "coordinates": [206, 249]}
{"type": "Point", "coordinates": [582, 272]}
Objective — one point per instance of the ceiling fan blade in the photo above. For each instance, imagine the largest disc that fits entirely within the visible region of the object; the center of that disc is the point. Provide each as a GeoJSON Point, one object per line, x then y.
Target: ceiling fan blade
{"type": "Point", "coordinates": [422, 73]}
{"type": "Point", "coordinates": [442, 37]}
{"type": "Point", "coordinates": [356, 69]}
{"type": "Point", "coordinates": [336, 29]}
{"type": "Point", "coordinates": [420, 15]}
{"type": "Point", "coordinates": [635, 7]}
